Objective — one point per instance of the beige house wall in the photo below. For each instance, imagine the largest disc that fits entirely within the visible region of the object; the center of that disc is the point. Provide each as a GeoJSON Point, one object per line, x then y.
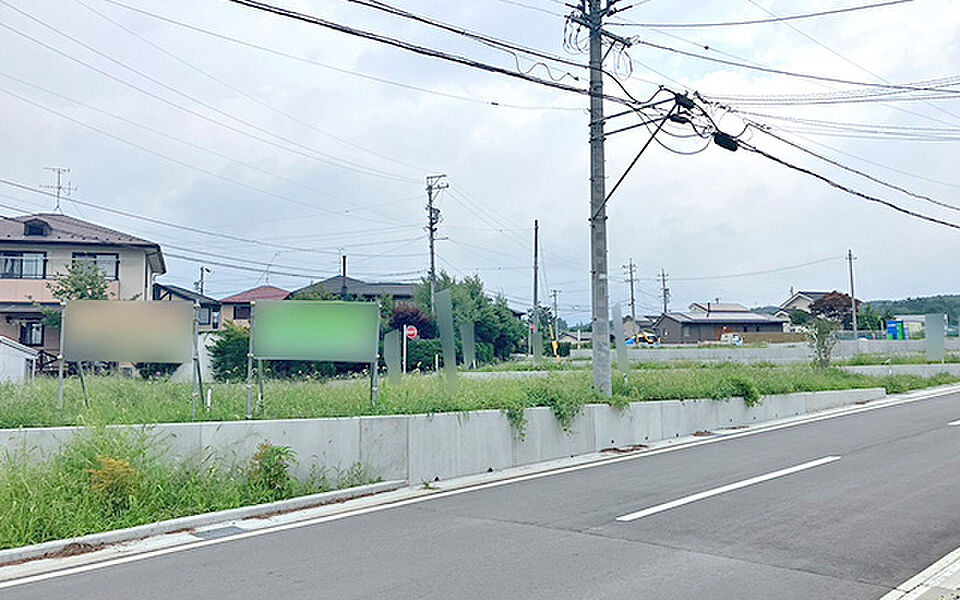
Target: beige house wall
{"type": "Point", "coordinates": [133, 281]}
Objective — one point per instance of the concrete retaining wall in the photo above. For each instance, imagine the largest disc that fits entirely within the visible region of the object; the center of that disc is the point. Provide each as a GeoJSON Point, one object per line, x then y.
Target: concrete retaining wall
{"type": "Point", "coordinates": [774, 353]}
{"type": "Point", "coordinates": [921, 370]}
{"type": "Point", "coordinates": [425, 447]}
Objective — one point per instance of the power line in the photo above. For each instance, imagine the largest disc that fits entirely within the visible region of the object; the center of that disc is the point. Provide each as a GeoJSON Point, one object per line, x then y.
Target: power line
{"type": "Point", "coordinates": [858, 172]}
{"type": "Point", "coordinates": [305, 151]}
{"type": "Point", "coordinates": [763, 272]}
{"type": "Point", "coordinates": [176, 160]}
{"type": "Point", "coordinates": [847, 189]}
{"type": "Point", "coordinates": [811, 15]}
{"type": "Point", "coordinates": [178, 140]}
{"type": "Point", "coordinates": [381, 80]}
{"type": "Point", "coordinates": [415, 48]}
{"type": "Point", "coordinates": [190, 65]}
{"type": "Point", "coordinates": [156, 221]}
{"type": "Point", "coordinates": [844, 58]}
{"type": "Point", "coordinates": [811, 76]}
{"type": "Point", "coordinates": [491, 41]}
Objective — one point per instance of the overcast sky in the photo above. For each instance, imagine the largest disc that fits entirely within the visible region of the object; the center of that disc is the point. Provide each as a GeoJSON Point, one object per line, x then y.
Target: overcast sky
{"type": "Point", "coordinates": [322, 146]}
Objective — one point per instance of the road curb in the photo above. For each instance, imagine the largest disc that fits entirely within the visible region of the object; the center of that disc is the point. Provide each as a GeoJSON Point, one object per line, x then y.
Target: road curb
{"type": "Point", "coordinates": [96, 540]}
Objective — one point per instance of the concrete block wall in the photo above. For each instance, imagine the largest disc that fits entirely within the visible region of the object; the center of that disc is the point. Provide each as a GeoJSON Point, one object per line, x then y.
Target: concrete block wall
{"type": "Point", "coordinates": [774, 353]}
{"type": "Point", "coordinates": [422, 448]}
{"type": "Point", "coordinates": [921, 370]}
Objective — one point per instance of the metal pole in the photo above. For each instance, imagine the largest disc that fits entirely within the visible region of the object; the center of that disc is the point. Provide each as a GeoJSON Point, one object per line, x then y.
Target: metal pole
{"type": "Point", "coordinates": [374, 380]}
{"type": "Point", "coordinates": [83, 384]}
{"type": "Point", "coordinates": [853, 296]}
{"type": "Point", "coordinates": [260, 385]}
{"type": "Point", "coordinates": [403, 369]}
{"type": "Point", "coordinates": [535, 318]}
{"type": "Point", "coordinates": [196, 356]}
{"type": "Point", "coordinates": [60, 358]}
{"type": "Point", "coordinates": [631, 272]}
{"type": "Point", "coordinates": [250, 365]}
{"type": "Point", "coordinates": [598, 214]}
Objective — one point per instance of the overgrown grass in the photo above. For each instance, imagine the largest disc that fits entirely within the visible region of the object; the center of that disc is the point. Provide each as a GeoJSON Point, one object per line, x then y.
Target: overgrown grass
{"type": "Point", "coordinates": [895, 359]}
{"type": "Point", "coordinates": [116, 400]}
{"type": "Point", "coordinates": [111, 479]}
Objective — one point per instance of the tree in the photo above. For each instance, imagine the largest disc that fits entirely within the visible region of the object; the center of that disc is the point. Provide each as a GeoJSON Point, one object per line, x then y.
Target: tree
{"type": "Point", "coordinates": [821, 335]}
{"type": "Point", "coordinates": [836, 307]}
{"type": "Point", "coordinates": [229, 352]}
{"type": "Point", "coordinates": [408, 313]}
{"type": "Point", "coordinates": [799, 317]}
{"type": "Point", "coordinates": [495, 323]}
{"type": "Point", "coordinates": [80, 281]}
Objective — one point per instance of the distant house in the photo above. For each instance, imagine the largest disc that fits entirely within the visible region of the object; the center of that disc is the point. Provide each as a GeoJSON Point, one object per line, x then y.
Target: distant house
{"type": "Point", "coordinates": [643, 323]}
{"type": "Point", "coordinates": [209, 314]}
{"type": "Point", "coordinates": [799, 301]}
{"type": "Point", "coordinates": [35, 248]}
{"type": "Point", "coordinates": [236, 308]}
{"type": "Point", "coordinates": [356, 288]}
{"type": "Point", "coordinates": [703, 322]}
{"type": "Point", "coordinates": [717, 307]}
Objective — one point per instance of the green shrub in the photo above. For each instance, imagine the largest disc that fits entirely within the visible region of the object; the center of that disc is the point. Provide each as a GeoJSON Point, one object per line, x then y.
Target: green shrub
{"type": "Point", "coordinates": [566, 404]}
{"type": "Point", "coordinates": [229, 352]}
{"type": "Point", "coordinates": [269, 473]}
{"type": "Point", "coordinates": [116, 482]}
{"type": "Point", "coordinates": [420, 354]}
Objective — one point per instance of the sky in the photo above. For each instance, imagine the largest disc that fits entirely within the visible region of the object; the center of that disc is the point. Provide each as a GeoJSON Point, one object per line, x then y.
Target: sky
{"type": "Point", "coordinates": [276, 146]}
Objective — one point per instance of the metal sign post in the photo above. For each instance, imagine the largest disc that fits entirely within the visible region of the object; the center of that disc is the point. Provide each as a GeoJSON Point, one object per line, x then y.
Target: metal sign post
{"type": "Point", "coordinates": [196, 359]}
{"type": "Point", "coordinates": [60, 358]}
{"type": "Point", "coordinates": [374, 380]}
{"type": "Point", "coordinates": [250, 364]}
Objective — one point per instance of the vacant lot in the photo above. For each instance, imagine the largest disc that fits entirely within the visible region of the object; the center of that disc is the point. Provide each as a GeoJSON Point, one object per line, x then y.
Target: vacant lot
{"type": "Point", "coordinates": [116, 400]}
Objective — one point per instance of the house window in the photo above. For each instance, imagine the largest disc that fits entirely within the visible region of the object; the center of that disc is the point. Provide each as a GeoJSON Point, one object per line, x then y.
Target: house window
{"type": "Point", "coordinates": [204, 316]}
{"type": "Point", "coordinates": [31, 334]}
{"type": "Point", "coordinates": [686, 331]}
{"type": "Point", "coordinates": [758, 329]}
{"type": "Point", "coordinates": [23, 265]}
{"type": "Point", "coordinates": [241, 312]}
{"type": "Point", "coordinates": [215, 318]}
{"type": "Point", "coordinates": [108, 264]}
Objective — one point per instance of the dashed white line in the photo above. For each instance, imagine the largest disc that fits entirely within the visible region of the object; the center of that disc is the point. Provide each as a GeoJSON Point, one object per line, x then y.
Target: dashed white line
{"type": "Point", "coordinates": [726, 488]}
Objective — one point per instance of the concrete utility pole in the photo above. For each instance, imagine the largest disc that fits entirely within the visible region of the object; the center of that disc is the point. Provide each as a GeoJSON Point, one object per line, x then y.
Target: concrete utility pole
{"type": "Point", "coordinates": [536, 274]}
{"type": "Point", "coordinates": [600, 297]}
{"type": "Point", "coordinates": [61, 189]}
{"type": "Point", "coordinates": [631, 278]}
{"type": "Point", "coordinates": [343, 277]}
{"type": "Point", "coordinates": [853, 295]}
{"type": "Point", "coordinates": [201, 282]}
{"type": "Point", "coordinates": [556, 315]}
{"type": "Point", "coordinates": [665, 291]}
{"type": "Point", "coordinates": [434, 184]}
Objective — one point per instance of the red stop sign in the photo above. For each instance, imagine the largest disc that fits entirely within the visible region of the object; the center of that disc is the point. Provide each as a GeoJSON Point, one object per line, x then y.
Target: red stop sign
{"type": "Point", "coordinates": [410, 331]}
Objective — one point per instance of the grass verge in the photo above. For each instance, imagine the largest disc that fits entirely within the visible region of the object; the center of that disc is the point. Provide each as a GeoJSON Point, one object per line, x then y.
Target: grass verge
{"type": "Point", "coordinates": [116, 400]}
{"type": "Point", "coordinates": [109, 479]}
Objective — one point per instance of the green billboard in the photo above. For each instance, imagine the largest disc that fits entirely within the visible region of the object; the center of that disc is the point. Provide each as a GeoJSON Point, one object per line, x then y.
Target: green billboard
{"type": "Point", "coordinates": [315, 330]}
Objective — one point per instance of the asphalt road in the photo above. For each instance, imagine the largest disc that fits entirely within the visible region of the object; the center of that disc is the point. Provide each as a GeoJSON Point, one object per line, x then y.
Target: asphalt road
{"type": "Point", "coordinates": [849, 529]}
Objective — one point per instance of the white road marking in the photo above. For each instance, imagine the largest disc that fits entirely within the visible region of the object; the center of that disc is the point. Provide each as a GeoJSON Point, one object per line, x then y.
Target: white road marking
{"type": "Point", "coordinates": [832, 414]}
{"type": "Point", "coordinates": [726, 488]}
{"type": "Point", "coordinates": [951, 423]}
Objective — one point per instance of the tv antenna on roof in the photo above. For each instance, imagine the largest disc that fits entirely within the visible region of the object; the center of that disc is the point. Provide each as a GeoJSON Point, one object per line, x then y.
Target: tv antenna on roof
{"type": "Point", "coordinates": [62, 189]}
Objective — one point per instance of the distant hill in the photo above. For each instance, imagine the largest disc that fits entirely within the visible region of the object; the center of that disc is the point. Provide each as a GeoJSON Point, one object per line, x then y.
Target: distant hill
{"type": "Point", "coordinates": [766, 310]}
{"type": "Point", "coordinates": [949, 304]}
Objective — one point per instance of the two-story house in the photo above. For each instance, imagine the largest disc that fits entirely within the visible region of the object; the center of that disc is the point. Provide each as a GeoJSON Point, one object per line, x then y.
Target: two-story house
{"type": "Point", "coordinates": [34, 248]}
